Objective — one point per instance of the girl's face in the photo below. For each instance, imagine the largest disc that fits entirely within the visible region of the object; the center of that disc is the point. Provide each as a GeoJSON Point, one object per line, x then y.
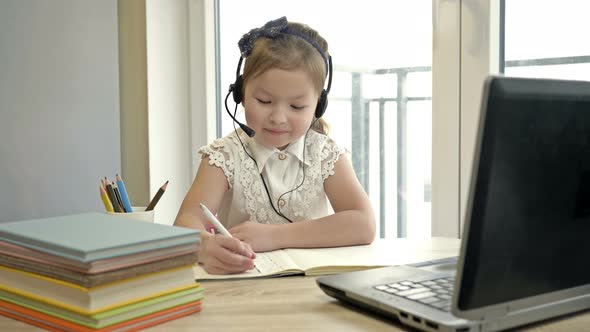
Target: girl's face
{"type": "Point", "coordinates": [280, 106]}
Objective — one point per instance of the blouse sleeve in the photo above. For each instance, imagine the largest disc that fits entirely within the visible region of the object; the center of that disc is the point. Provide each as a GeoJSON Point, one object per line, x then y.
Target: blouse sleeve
{"type": "Point", "coordinates": [330, 154]}
{"type": "Point", "coordinates": [220, 155]}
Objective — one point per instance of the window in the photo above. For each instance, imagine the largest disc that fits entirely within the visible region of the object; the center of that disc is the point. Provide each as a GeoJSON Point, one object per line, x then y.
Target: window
{"type": "Point", "coordinates": [380, 105]}
{"type": "Point", "coordinates": [551, 44]}
{"type": "Point", "coordinates": [520, 38]}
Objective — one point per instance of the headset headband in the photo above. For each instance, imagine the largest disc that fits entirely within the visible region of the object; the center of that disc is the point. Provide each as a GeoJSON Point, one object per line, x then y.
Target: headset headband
{"type": "Point", "coordinates": [271, 30]}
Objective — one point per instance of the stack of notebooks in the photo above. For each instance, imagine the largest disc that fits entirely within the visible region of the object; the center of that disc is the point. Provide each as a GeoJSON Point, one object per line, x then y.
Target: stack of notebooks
{"type": "Point", "coordinates": [97, 272]}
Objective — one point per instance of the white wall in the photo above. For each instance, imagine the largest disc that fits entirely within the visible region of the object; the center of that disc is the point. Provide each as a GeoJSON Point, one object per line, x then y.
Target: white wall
{"type": "Point", "coordinates": [180, 60]}
{"type": "Point", "coordinates": [59, 105]}
{"type": "Point", "coordinates": [167, 58]}
{"type": "Point", "coordinates": [168, 102]}
{"type": "Point", "coordinates": [61, 129]}
{"type": "Point", "coordinates": [133, 101]}
{"type": "Point", "coordinates": [203, 93]}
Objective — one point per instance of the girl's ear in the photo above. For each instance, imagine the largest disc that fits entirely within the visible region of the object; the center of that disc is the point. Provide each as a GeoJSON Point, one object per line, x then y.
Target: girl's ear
{"type": "Point", "coordinates": [322, 104]}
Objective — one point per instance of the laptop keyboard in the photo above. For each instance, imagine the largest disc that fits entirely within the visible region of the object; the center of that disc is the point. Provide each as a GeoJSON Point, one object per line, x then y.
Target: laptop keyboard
{"type": "Point", "coordinates": [435, 293]}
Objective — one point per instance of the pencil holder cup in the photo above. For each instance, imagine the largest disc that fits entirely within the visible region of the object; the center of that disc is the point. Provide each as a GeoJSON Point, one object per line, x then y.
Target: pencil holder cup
{"type": "Point", "coordinates": [139, 213]}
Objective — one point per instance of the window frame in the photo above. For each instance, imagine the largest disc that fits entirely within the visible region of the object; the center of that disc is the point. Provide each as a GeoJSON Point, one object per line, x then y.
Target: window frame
{"type": "Point", "coordinates": [458, 72]}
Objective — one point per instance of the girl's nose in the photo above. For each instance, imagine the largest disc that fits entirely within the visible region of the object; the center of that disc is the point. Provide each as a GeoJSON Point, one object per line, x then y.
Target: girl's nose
{"type": "Point", "coordinates": [278, 115]}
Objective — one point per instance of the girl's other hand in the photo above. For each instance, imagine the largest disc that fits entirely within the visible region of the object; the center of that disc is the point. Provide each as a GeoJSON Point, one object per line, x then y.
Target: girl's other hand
{"type": "Point", "coordinates": [220, 254]}
{"type": "Point", "coordinates": [260, 237]}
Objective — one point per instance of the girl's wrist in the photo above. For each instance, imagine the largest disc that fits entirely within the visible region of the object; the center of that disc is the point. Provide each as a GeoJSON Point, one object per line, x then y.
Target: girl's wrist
{"type": "Point", "coordinates": [277, 236]}
{"type": "Point", "coordinates": [204, 237]}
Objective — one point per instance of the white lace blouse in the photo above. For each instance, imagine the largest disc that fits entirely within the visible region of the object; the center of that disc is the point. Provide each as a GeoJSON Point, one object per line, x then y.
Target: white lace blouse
{"type": "Point", "coordinates": [247, 199]}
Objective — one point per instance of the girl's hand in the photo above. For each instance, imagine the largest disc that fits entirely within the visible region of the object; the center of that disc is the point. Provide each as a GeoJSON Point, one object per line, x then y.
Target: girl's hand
{"type": "Point", "coordinates": [220, 254]}
{"type": "Point", "coordinates": [260, 237]}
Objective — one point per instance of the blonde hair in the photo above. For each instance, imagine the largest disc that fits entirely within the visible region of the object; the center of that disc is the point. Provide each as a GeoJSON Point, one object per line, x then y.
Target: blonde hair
{"type": "Point", "coordinates": [290, 52]}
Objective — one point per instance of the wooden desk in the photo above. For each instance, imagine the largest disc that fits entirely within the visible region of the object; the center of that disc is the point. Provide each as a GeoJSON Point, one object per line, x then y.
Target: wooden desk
{"type": "Point", "coordinates": [297, 304]}
{"type": "Point", "coordinates": [288, 304]}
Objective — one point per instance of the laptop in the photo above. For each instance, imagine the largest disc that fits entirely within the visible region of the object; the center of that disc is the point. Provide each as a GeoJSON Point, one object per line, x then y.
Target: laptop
{"type": "Point", "coordinates": [526, 242]}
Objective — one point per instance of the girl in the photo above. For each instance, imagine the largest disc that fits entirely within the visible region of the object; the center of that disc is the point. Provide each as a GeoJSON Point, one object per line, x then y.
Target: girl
{"type": "Point", "coordinates": [275, 183]}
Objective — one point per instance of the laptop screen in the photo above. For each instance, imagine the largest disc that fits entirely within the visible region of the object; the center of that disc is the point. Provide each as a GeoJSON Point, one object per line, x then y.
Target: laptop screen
{"type": "Point", "coordinates": [529, 208]}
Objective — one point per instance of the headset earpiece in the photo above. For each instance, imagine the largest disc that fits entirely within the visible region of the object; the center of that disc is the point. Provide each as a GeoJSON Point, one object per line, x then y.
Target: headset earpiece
{"type": "Point", "coordinates": [236, 89]}
{"type": "Point", "coordinates": [322, 104]}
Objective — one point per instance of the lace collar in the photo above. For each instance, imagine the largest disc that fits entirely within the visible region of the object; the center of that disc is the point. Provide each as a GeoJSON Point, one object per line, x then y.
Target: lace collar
{"type": "Point", "coordinates": [262, 153]}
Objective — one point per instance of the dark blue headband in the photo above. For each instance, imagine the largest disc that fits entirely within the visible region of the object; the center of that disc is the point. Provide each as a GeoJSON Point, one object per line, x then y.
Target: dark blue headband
{"type": "Point", "coordinates": [271, 30]}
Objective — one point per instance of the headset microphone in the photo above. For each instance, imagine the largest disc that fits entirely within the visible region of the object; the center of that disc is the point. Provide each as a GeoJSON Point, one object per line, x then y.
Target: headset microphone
{"type": "Point", "coordinates": [249, 131]}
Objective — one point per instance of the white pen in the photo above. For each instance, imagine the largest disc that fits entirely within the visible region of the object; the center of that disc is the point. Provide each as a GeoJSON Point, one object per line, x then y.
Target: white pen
{"type": "Point", "coordinates": [214, 220]}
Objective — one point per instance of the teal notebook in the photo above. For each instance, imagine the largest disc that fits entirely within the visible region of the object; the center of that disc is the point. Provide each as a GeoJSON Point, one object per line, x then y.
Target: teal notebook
{"type": "Point", "coordinates": [93, 236]}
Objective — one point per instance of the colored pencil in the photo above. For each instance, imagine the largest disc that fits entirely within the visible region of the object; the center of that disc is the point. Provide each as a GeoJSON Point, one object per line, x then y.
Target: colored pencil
{"type": "Point", "coordinates": [113, 198]}
{"type": "Point", "coordinates": [118, 196]}
{"type": "Point", "coordinates": [123, 192]}
{"type": "Point", "coordinates": [105, 199]}
{"type": "Point", "coordinates": [157, 197]}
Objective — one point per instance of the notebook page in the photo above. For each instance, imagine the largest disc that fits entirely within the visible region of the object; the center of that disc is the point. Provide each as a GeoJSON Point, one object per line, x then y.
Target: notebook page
{"type": "Point", "coordinates": [272, 263]}
{"type": "Point", "coordinates": [380, 253]}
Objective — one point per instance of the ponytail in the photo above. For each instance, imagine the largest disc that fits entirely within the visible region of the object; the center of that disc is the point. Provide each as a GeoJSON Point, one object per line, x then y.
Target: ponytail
{"type": "Point", "coordinates": [321, 126]}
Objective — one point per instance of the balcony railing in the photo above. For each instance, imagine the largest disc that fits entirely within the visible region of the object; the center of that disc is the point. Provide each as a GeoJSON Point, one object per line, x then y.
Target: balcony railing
{"type": "Point", "coordinates": [360, 129]}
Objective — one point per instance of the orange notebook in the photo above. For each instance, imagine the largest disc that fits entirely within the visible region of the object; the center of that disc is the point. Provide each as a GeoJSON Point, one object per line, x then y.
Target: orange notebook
{"type": "Point", "coordinates": [56, 324]}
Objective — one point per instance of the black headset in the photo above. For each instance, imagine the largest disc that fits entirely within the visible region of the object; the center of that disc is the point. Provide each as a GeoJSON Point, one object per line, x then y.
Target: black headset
{"type": "Point", "coordinates": [236, 88]}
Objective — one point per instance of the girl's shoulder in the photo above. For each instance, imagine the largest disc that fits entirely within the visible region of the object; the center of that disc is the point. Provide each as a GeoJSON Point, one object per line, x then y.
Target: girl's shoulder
{"type": "Point", "coordinates": [223, 153]}
{"type": "Point", "coordinates": [226, 144]}
{"type": "Point", "coordinates": [321, 143]}
{"type": "Point", "coordinates": [324, 151]}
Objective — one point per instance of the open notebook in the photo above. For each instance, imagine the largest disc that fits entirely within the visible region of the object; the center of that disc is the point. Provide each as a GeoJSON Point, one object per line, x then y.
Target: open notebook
{"type": "Point", "coordinates": [322, 261]}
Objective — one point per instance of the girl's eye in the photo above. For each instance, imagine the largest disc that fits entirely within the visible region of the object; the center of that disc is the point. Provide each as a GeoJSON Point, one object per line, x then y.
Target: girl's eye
{"type": "Point", "coordinates": [297, 107]}
{"type": "Point", "coordinates": [263, 101]}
